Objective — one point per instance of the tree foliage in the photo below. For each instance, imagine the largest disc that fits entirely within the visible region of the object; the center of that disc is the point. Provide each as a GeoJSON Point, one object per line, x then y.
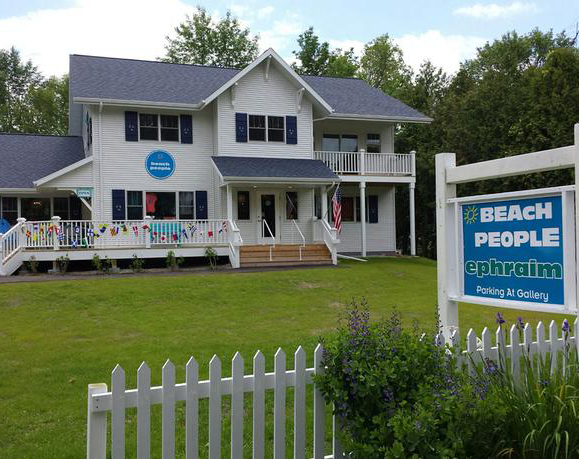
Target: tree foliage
{"type": "Point", "coordinates": [29, 102]}
{"type": "Point", "coordinates": [316, 57]}
{"type": "Point", "coordinates": [199, 40]}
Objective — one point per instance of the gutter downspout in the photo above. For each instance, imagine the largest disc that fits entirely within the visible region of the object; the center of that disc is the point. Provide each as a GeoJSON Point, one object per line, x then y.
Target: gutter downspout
{"type": "Point", "coordinates": [101, 198]}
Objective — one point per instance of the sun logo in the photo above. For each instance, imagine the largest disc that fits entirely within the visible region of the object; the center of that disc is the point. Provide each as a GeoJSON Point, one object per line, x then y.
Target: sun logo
{"type": "Point", "coordinates": [470, 215]}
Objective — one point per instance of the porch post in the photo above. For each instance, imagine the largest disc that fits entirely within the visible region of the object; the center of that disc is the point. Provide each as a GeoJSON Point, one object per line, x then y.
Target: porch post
{"type": "Point", "coordinates": [412, 222]}
{"type": "Point", "coordinates": [324, 202]}
{"type": "Point", "coordinates": [147, 222]}
{"type": "Point", "coordinates": [363, 215]}
{"type": "Point", "coordinates": [229, 202]}
{"type": "Point", "coordinates": [412, 211]}
{"type": "Point", "coordinates": [56, 232]}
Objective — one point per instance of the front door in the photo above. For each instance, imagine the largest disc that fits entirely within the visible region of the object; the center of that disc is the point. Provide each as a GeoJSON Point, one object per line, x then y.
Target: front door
{"type": "Point", "coordinates": [267, 231]}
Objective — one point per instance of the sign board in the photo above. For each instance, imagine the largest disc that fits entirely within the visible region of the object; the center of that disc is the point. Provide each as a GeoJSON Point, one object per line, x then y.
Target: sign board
{"type": "Point", "coordinates": [514, 249]}
{"type": "Point", "coordinates": [160, 164]}
{"type": "Point", "coordinates": [83, 192]}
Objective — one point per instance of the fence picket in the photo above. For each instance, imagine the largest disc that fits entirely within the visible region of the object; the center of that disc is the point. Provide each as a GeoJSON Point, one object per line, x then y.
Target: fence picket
{"type": "Point", "coordinates": [192, 409]}
{"type": "Point", "coordinates": [541, 344]}
{"type": "Point", "coordinates": [118, 412]}
{"type": "Point", "coordinates": [215, 408]}
{"type": "Point", "coordinates": [300, 404]}
{"type": "Point", "coordinates": [258, 405]}
{"type": "Point", "coordinates": [515, 352]}
{"type": "Point", "coordinates": [144, 411]}
{"type": "Point", "coordinates": [237, 407]}
{"type": "Point", "coordinates": [319, 407]}
{"type": "Point", "coordinates": [501, 348]}
{"type": "Point", "coordinates": [486, 344]}
{"type": "Point", "coordinates": [168, 417]}
{"type": "Point", "coordinates": [554, 344]}
{"type": "Point", "coordinates": [336, 448]}
{"type": "Point", "coordinates": [279, 405]}
{"type": "Point", "coordinates": [471, 348]}
{"type": "Point", "coordinates": [528, 340]}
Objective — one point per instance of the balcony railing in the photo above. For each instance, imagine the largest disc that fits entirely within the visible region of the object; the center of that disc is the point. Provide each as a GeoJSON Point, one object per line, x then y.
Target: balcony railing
{"type": "Point", "coordinates": [362, 163]}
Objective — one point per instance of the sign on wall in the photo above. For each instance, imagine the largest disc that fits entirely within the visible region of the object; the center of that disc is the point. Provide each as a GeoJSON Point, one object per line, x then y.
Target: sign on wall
{"type": "Point", "coordinates": [83, 192]}
{"type": "Point", "coordinates": [160, 164]}
{"type": "Point", "coordinates": [513, 250]}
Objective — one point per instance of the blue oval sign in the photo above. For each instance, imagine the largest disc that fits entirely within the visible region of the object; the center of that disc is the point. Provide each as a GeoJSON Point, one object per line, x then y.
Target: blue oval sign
{"type": "Point", "coordinates": [160, 164]}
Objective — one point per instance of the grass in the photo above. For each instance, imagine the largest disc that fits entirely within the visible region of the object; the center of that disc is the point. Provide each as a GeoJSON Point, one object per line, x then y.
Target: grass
{"type": "Point", "coordinates": [57, 337]}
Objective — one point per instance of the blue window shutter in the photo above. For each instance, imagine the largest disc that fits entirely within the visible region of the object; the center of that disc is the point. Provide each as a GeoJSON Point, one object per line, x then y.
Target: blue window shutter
{"type": "Point", "coordinates": [291, 129]}
{"type": "Point", "coordinates": [186, 129]}
{"type": "Point", "coordinates": [131, 127]}
{"type": "Point", "coordinates": [118, 204]}
{"type": "Point", "coordinates": [201, 205]}
{"type": "Point", "coordinates": [373, 209]}
{"type": "Point", "coordinates": [241, 127]}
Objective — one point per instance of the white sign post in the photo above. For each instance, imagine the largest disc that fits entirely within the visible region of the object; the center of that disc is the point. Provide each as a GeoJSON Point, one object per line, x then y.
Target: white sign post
{"type": "Point", "coordinates": [510, 250]}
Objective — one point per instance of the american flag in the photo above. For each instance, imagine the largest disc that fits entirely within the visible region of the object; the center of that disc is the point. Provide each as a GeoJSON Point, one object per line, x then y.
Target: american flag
{"type": "Point", "coordinates": [337, 209]}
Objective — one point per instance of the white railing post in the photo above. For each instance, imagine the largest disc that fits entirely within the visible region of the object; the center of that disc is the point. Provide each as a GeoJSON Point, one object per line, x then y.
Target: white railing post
{"type": "Point", "coordinates": [147, 221]}
{"type": "Point", "coordinates": [21, 240]}
{"type": "Point", "coordinates": [576, 133]}
{"type": "Point", "coordinates": [96, 431]}
{"type": "Point", "coordinates": [362, 161]}
{"type": "Point", "coordinates": [56, 231]}
{"type": "Point", "coordinates": [412, 186]}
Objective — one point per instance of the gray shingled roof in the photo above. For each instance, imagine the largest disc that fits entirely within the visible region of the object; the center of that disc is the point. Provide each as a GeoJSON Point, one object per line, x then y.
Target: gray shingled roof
{"type": "Point", "coordinates": [25, 158]}
{"type": "Point", "coordinates": [353, 96]}
{"type": "Point", "coordinates": [128, 79]}
{"type": "Point", "coordinates": [251, 167]}
{"type": "Point", "coordinates": [150, 81]}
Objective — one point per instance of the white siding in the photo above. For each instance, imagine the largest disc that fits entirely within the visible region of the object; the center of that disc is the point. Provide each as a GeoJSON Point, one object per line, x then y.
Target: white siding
{"type": "Point", "coordinates": [381, 236]}
{"type": "Point", "coordinates": [123, 163]}
{"type": "Point", "coordinates": [250, 229]}
{"type": "Point", "coordinates": [77, 178]}
{"type": "Point", "coordinates": [359, 128]}
{"type": "Point", "coordinates": [255, 95]}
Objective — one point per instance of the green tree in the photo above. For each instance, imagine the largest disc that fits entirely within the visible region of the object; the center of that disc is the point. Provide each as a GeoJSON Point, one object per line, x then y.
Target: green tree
{"type": "Point", "coordinates": [200, 41]}
{"type": "Point", "coordinates": [316, 57]}
{"type": "Point", "coordinates": [17, 78]}
{"type": "Point", "coordinates": [382, 66]}
{"type": "Point", "coordinates": [48, 107]}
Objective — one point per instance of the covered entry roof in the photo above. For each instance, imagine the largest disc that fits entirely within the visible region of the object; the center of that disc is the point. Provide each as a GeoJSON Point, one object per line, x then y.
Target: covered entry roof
{"type": "Point", "coordinates": [243, 168]}
{"type": "Point", "coordinates": [25, 158]}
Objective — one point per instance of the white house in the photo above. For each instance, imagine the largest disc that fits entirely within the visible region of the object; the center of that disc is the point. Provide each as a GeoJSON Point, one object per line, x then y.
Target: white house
{"type": "Point", "coordinates": [179, 157]}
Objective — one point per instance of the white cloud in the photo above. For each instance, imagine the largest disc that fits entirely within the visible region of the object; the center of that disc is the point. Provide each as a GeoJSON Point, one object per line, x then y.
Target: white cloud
{"type": "Point", "coordinates": [493, 10]}
{"type": "Point", "coordinates": [265, 11]}
{"type": "Point", "coordinates": [345, 45]}
{"type": "Point", "coordinates": [446, 51]}
{"type": "Point", "coordinates": [282, 34]}
{"type": "Point", "coordinates": [128, 28]}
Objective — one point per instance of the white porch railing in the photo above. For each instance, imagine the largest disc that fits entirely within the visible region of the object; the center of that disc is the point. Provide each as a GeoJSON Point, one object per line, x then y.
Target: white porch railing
{"type": "Point", "coordinates": [11, 242]}
{"type": "Point", "coordinates": [264, 227]}
{"type": "Point", "coordinates": [330, 237]}
{"type": "Point", "coordinates": [106, 234]}
{"type": "Point", "coordinates": [296, 228]}
{"type": "Point", "coordinates": [116, 401]}
{"type": "Point", "coordinates": [360, 162]}
{"type": "Point", "coordinates": [235, 241]}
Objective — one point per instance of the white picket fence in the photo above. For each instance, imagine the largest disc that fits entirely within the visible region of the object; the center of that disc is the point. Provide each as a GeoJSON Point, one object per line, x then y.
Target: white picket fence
{"type": "Point", "coordinates": [118, 399]}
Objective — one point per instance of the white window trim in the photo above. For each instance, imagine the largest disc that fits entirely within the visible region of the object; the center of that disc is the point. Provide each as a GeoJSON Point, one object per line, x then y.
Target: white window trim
{"type": "Point", "coordinates": [276, 142]}
{"type": "Point", "coordinates": [158, 115]}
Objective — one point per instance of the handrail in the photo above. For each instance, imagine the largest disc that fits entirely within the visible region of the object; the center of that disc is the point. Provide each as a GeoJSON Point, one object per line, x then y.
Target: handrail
{"type": "Point", "coordinates": [296, 226]}
{"type": "Point", "coordinates": [272, 245]}
{"type": "Point", "coordinates": [11, 242]}
{"type": "Point", "coordinates": [330, 237]}
{"type": "Point", "coordinates": [235, 240]}
{"type": "Point", "coordinates": [362, 162]}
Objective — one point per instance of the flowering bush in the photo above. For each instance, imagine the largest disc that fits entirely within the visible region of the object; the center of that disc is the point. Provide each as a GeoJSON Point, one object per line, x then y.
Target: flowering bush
{"type": "Point", "coordinates": [397, 394]}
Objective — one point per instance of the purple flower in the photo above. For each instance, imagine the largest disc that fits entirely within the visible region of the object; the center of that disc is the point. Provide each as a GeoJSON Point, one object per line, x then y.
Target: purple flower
{"type": "Point", "coordinates": [566, 326]}
{"type": "Point", "coordinates": [520, 323]}
{"type": "Point", "coordinates": [490, 367]}
{"type": "Point", "coordinates": [500, 319]}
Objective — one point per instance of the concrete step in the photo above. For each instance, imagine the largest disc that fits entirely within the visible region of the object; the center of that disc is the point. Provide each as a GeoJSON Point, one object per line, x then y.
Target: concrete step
{"type": "Point", "coordinates": [263, 264]}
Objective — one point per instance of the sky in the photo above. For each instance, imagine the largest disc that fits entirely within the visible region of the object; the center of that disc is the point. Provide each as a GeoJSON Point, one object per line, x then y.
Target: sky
{"type": "Point", "coordinates": [445, 32]}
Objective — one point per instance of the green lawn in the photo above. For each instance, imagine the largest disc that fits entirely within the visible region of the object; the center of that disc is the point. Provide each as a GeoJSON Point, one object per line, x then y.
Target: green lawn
{"type": "Point", "coordinates": [57, 337]}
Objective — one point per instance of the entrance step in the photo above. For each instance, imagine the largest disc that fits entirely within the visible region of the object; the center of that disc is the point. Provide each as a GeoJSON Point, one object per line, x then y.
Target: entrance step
{"type": "Point", "coordinates": [284, 255]}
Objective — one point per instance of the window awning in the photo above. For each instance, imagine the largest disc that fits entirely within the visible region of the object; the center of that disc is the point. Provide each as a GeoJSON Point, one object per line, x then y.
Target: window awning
{"type": "Point", "coordinates": [246, 169]}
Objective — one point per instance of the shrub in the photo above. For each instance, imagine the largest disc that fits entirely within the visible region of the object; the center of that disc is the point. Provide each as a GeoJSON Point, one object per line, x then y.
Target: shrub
{"type": "Point", "coordinates": [172, 261]}
{"type": "Point", "coordinates": [211, 255]}
{"type": "Point", "coordinates": [32, 265]}
{"type": "Point", "coordinates": [102, 265]}
{"type": "Point", "coordinates": [398, 394]}
{"type": "Point", "coordinates": [137, 264]}
{"type": "Point", "coordinates": [541, 402]}
{"type": "Point", "coordinates": [62, 263]}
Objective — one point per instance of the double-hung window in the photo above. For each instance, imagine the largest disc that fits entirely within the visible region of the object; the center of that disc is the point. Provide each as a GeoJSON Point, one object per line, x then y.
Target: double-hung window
{"type": "Point", "coordinates": [135, 205]}
{"type": "Point", "coordinates": [148, 127]}
{"type": "Point", "coordinates": [373, 143]}
{"type": "Point", "coordinates": [9, 209]}
{"type": "Point", "coordinates": [170, 128]}
{"type": "Point", "coordinates": [61, 208]}
{"type": "Point", "coordinates": [337, 142]}
{"type": "Point", "coordinates": [243, 209]}
{"type": "Point", "coordinates": [257, 127]}
{"type": "Point", "coordinates": [275, 128]}
{"type": "Point", "coordinates": [186, 205]}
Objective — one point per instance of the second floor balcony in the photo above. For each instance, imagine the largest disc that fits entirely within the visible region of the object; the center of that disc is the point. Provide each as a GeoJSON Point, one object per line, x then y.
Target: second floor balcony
{"type": "Point", "coordinates": [363, 163]}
